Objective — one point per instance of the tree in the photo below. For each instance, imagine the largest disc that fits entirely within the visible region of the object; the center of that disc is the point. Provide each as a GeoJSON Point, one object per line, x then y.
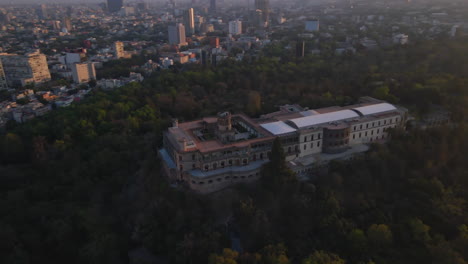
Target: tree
{"type": "Point", "coordinates": [276, 173]}
{"type": "Point", "coordinates": [379, 235]}
{"type": "Point", "coordinates": [357, 241]}
{"type": "Point", "coordinates": [274, 254]}
{"type": "Point", "coordinates": [419, 231]}
{"type": "Point", "coordinates": [228, 257]}
{"type": "Point", "coordinates": [323, 257]}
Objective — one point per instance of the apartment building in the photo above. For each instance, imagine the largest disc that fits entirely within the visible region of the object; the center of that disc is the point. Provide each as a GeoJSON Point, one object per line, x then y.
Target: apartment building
{"type": "Point", "coordinates": [83, 72]}
{"type": "Point", "coordinates": [215, 152]}
{"type": "Point", "coordinates": [23, 69]}
{"type": "Point", "coordinates": [3, 81]}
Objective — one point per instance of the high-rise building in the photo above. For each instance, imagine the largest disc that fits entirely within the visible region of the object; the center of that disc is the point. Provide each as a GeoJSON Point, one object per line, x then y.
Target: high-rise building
{"type": "Point", "coordinates": [23, 69]}
{"type": "Point", "coordinates": [235, 27]}
{"type": "Point", "coordinates": [189, 22]}
{"type": "Point", "coordinates": [177, 34]}
{"type": "Point", "coordinates": [42, 11]}
{"type": "Point", "coordinates": [83, 72]}
{"type": "Point", "coordinates": [264, 6]}
{"type": "Point", "coordinates": [67, 24]}
{"type": "Point", "coordinates": [114, 5]}
{"type": "Point", "coordinates": [199, 20]}
{"type": "Point", "coordinates": [213, 6]}
{"type": "Point", "coordinates": [119, 51]}
{"type": "Point", "coordinates": [3, 81]}
{"type": "Point", "coordinates": [142, 6]}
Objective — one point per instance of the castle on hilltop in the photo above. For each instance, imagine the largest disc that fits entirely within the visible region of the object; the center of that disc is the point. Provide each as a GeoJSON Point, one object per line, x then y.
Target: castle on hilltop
{"type": "Point", "coordinates": [216, 152]}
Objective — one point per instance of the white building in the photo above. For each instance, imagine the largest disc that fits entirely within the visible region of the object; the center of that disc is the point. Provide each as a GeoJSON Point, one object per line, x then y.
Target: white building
{"type": "Point", "coordinates": [235, 27]}
{"type": "Point", "coordinates": [72, 57]}
{"type": "Point", "coordinates": [216, 152]}
{"type": "Point", "coordinates": [83, 72]}
{"type": "Point", "coordinates": [400, 39]}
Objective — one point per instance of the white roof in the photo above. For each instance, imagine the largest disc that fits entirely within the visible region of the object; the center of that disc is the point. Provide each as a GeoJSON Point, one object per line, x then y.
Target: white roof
{"type": "Point", "coordinates": [323, 118]}
{"type": "Point", "coordinates": [278, 128]}
{"type": "Point", "coordinates": [375, 108]}
{"type": "Point", "coordinates": [309, 113]}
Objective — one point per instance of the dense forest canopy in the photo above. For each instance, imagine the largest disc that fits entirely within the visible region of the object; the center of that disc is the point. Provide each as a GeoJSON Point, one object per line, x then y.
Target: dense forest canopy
{"type": "Point", "coordinates": [83, 184]}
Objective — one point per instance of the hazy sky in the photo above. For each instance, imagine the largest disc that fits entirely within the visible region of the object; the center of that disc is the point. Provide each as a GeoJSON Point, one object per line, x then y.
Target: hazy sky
{"type": "Point", "coordinates": [68, 1]}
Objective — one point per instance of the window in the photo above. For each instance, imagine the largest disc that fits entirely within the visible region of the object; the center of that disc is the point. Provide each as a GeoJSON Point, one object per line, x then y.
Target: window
{"type": "Point", "coordinates": [305, 146]}
{"type": "Point", "coordinates": [181, 167]}
{"type": "Point", "coordinates": [311, 145]}
{"type": "Point", "coordinates": [319, 136]}
{"type": "Point", "coordinates": [385, 122]}
{"type": "Point", "coordinates": [206, 167]}
{"type": "Point", "coordinates": [305, 139]}
{"type": "Point", "coordinates": [227, 177]}
{"type": "Point", "coordinates": [243, 177]}
{"type": "Point", "coordinates": [365, 134]}
{"type": "Point", "coordinates": [379, 123]}
{"type": "Point", "coordinates": [193, 157]}
{"type": "Point", "coordinates": [354, 128]}
{"type": "Point", "coordinates": [354, 136]}
{"type": "Point", "coordinates": [210, 181]}
{"type": "Point", "coordinates": [235, 177]}
{"type": "Point", "coordinates": [372, 132]}
{"type": "Point", "coordinates": [222, 164]}
{"type": "Point", "coordinates": [244, 161]}
{"type": "Point", "coordinates": [378, 131]}
{"type": "Point", "coordinates": [360, 127]}
{"type": "Point", "coordinates": [373, 124]}
{"type": "Point", "coordinates": [193, 166]}
{"type": "Point", "coordinates": [367, 125]}
{"type": "Point", "coordinates": [219, 179]}
{"type": "Point", "coordinates": [202, 182]}
{"type": "Point", "coordinates": [312, 137]}
{"type": "Point", "coordinates": [318, 144]}
{"type": "Point", "coordinates": [261, 155]}
{"type": "Point", "coordinates": [359, 134]}
{"type": "Point", "coordinates": [193, 182]}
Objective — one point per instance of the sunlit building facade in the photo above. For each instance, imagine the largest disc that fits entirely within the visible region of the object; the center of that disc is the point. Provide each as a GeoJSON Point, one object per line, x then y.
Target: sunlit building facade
{"type": "Point", "coordinates": [213, 153]}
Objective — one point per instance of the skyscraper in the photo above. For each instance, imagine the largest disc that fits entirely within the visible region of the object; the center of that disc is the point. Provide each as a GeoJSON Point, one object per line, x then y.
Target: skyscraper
{"type": "Point", "coordinates": [67, 24]}
{"type": "Point", "coordinates": [114, 5]}
{"type": "Point", "coordinates": [213, 6]}
{"type": "Point", "coordinates": [189, 22]}
{"type": "Point", "coordinates": [42, 11]}
{"type": "Point", "coordinates": [264, 6]}
{"type": "Point", "coordinates": [177, 34]}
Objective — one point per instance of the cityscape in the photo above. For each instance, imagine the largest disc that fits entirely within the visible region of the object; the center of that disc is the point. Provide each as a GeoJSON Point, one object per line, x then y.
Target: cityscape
{"type": "Point", "coordinates": [222, 131]}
